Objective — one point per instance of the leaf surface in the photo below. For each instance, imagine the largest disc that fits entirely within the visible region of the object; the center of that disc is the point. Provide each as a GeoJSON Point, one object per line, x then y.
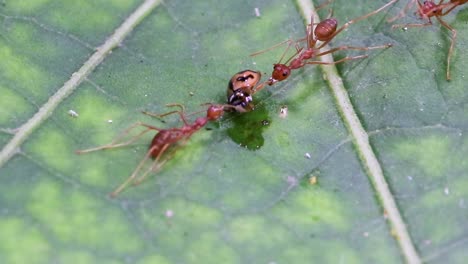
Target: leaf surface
{"type": "Point", "coordinates": [240, 191]}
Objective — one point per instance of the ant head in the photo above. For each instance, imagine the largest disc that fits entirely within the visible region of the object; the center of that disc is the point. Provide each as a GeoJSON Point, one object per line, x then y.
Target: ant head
{"type": "Point", "coordinates": [325, 29]}
{"type": "Point", "coordinates": [214, 112]}
{"type": "Point", "coordinates": [428, 6]}
{"type": "Point", "coordinates": [280, 72]}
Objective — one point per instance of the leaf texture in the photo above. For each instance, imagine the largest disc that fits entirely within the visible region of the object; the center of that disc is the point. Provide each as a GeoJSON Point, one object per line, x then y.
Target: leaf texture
{"type": "Point", "coordinates": [240, 191]}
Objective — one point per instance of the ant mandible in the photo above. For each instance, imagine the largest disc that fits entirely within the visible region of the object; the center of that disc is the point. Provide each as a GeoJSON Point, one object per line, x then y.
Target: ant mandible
{"type": "Point", "coordinates": [429, 9]}
{"type": "Point", "coordinates": [162, 141]}
{"type": "Point", "coordinates": [324, 31]}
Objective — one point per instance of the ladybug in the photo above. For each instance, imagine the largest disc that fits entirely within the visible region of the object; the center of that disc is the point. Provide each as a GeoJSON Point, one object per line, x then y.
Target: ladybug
{"type": "Point", "coordinates": [240, 89]}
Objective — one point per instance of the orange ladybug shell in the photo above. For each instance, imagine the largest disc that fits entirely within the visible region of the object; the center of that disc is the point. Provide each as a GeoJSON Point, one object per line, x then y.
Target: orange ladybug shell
{"type": "Point", "coordinates": [240, 88]}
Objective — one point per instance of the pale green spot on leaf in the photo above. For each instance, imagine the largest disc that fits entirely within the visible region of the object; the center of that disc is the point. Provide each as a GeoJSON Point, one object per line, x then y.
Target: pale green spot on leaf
{"type": "Point", "coordinates": [18, 68]}
{"type": "Point", "coordinates": [428, 152]}
{"type": "Point", "coordinates": [210, 248]}
{"type": "Point", "coordinates": [153, 259]}
{"type": "Point", "coordinates": [321, 209]}
{"type": "Point", "coordinates": [29, 6]}
{"type": "Point", "coordinates": [54, 148]}
{"type": "Point", "coordinates": [75, 217]}
{"type": "Point", "coordinates": [21, 240]}
{"type": "Point", "coordinates": [11, 104]}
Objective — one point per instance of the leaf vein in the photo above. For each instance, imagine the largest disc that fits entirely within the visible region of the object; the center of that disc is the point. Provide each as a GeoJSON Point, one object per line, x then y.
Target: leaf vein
{"type": "Point", "coordinates": [101, 52]}
{"type": "Point", "coordinates": [362, 145]}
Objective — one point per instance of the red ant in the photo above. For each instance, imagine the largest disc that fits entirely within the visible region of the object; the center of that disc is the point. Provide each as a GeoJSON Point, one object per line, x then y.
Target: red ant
{"type": "Point", "coordinates": [429, 9]}
{"type": "Point", "coordinates": [162, 141]}
{"type": "Point", "coordinates": [324, 31]}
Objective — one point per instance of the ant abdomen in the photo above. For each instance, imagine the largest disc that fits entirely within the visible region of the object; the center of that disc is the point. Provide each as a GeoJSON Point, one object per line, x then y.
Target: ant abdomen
{"type": "Point", "coordinates": [325, 29]}
{"type": "Point", "coordinates": [159, 140]}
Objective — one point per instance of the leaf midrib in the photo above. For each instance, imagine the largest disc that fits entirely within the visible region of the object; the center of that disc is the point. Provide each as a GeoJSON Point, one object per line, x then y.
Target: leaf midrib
{"type": "Point", "coordinates": [361, 143]}
{"type": "Point", "coordinates": [343, 103]}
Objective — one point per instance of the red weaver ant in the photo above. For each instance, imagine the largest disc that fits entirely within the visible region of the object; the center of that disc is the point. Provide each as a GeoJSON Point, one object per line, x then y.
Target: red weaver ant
{"type": "Point", "coordinates": [162, 141]}
{"type": "Point", "coordinates": [429, 9]}
{"type": "Point", "coordinates": [410, 4]}
{"type": "Point", "coordinates": [324, 31]}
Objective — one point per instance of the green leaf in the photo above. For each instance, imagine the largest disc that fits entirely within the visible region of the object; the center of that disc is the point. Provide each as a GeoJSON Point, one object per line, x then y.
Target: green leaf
{"type": "Point", "coordinates": [240, 191]}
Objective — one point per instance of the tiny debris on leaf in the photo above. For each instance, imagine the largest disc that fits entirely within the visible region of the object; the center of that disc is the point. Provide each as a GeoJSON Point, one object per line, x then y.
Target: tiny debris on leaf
{"type": "Point", "coordinates": [446, 191]}
{"type": "Point", "coordinates": [283, 111]}
{"type": "Point", "coordinates": [313, 180]}
{"type": "Point", "coordinates": [72, 113]}
{"type": "Point", "coordinates": [257, 12]}
{"type": "Point", "coordinates": [169, 213]}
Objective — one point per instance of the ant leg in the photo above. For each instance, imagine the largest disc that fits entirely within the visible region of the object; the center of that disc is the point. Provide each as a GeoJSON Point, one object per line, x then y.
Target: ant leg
{"type": "Point", "coordinates": [452, 44]}
{"type": "Point", "coordinates": [354, 48]}
{"type": "Point", "coordinates": [259, 87]}
{"type": "Point", "coordinates": [180, 112]}
{"type": "Point", "coordinates": [289, 41]}
{"type": "Point", "coordinates": [403, 12]}
{"type": "Point", "coordinates": [338, 61]}
{"type": "Point", "coordinates": [454, 5]}
{"type": "Point", "coordinates": [159, 115]}
{"type": "Point", "coordinates": [323, 5]}
{"type": "Point", "coordinates": [309, 34]}
{"type": "Point", "coordinates": [155, 165]}
{"type": "Point", "coordinates": [411, 25]}
{"type": "Point", "coordinates": [347, 24]}
{"type": "Point", "coordinates": [114, 143]}
{"type": "Point", "coordinates": [298, 51]}
{"type": "Point", "coordinates": [134, 173]}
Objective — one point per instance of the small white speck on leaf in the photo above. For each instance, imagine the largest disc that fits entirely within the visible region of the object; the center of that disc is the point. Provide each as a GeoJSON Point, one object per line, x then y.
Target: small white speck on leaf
{"type": "Point", "coordinates": [446, 191]}
{"type": "Point", "coordinates": [72, 113]}
{"type": "Point", "coordinates": [283, 111]}
{"type": "Point", "coordinates": [313, 180]}
{"type": "Point", "coordinates": [257, 12]}
{"type": "Point", "coordinates": [169, 213]}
